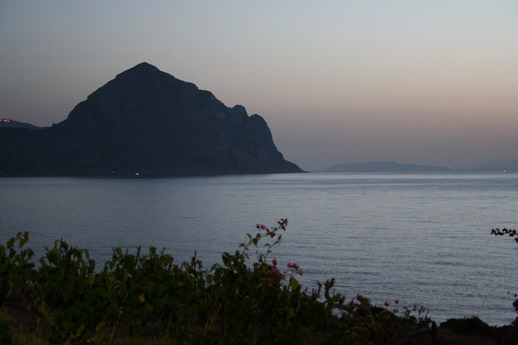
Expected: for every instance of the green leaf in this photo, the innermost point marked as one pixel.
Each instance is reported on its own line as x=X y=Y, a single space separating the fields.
x=294 y=284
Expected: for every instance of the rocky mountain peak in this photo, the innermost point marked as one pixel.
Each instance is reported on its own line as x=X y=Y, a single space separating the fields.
x=146 y=120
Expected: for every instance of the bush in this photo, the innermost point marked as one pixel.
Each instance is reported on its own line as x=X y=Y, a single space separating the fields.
x=243 y=300
x=512 y=335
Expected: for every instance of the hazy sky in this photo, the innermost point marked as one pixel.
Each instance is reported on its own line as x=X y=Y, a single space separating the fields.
x=416 y=81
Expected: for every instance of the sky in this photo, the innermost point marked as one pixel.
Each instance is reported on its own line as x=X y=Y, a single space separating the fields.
x=338 y=81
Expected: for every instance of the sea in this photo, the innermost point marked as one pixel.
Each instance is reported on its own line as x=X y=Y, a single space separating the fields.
x=420 y=238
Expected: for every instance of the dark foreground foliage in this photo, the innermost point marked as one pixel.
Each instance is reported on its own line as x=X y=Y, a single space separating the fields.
x=512 y=334
x=66 y=299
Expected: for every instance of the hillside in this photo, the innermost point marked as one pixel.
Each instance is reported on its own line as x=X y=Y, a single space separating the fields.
x=148 y=122
x=8 y=123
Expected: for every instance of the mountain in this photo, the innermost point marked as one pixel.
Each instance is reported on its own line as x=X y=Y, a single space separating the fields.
x=145 y=122
x=383 y=166
x=498 y=165
x=5 y=123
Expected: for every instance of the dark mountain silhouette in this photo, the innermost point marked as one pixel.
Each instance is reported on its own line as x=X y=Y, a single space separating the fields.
x=383 y=166
x=148 y=122
x=8 y=123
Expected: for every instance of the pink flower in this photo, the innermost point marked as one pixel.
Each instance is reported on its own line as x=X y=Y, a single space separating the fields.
x=283 y=223
x=269 y=281
x=387 y=304
x=352 y=304
x=274 y=272
x=260 y=226
x=294 y=267
x=362 y=299
x=396 y=301
x=274 y=262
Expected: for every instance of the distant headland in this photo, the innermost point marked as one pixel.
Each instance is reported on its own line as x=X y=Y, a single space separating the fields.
x=383 y=167
x=391 y=166
x=8 y=123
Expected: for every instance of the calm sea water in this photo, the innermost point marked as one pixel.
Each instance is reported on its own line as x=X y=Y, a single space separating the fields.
x=420 y=238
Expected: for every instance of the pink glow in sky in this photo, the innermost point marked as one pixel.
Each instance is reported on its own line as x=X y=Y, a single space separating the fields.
x=429 y=82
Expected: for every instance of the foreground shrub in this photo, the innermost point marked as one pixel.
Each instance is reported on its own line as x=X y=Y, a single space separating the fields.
x=472 y=325
x=250 y=298
x=512 y=335
x=15 y=265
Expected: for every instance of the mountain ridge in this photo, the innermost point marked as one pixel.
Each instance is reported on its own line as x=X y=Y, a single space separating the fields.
x=511 y=165
x=9 y=123
x=148 y=122
x=383 y=166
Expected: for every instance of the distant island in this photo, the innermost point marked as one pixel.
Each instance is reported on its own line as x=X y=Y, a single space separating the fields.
x=498 y=166
x=383 y=167
x=144 y=122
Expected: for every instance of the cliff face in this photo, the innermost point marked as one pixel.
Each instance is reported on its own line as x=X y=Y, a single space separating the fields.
x=149 y=122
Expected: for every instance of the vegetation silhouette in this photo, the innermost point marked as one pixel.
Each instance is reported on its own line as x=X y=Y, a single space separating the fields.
x=249 y=298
